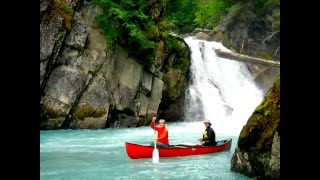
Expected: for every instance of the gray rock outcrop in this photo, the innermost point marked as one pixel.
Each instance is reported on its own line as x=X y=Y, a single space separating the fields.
x=86 y=84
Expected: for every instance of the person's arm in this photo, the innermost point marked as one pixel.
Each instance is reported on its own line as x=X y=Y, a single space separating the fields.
x=153 y=123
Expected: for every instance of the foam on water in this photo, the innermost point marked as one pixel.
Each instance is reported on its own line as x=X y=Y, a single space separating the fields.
x=220 y=89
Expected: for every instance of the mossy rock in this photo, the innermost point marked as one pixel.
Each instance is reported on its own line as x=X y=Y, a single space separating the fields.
x=174 y=81
x=257 y=134
x=175 y=71
x=85 y=110
x=49 y=112
x=62 y=9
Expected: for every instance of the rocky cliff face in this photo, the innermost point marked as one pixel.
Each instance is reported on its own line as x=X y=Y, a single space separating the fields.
x=245 y=31
x=258 y=150
x=85 y=84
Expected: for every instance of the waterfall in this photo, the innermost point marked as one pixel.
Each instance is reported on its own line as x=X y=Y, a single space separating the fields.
x=220 y=90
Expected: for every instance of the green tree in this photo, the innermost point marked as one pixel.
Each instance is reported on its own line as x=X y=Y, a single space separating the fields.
x=181 y=13
x=127 y=23
x=209 y=12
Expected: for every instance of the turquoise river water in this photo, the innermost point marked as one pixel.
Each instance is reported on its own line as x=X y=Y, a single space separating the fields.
x=221 y=90
x=101 y=154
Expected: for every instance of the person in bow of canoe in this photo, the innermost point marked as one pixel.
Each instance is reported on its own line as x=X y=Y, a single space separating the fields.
x=162 y=140
x=209 y=136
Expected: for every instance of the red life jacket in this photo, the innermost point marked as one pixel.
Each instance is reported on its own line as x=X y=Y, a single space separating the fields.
x=162 y=133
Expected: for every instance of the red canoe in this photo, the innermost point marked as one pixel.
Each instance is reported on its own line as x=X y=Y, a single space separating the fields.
x=136 y=151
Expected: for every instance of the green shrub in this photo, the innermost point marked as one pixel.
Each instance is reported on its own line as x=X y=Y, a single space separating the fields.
x=261 y=6
x=181 y=14
x=127 y=23
x=276 y=24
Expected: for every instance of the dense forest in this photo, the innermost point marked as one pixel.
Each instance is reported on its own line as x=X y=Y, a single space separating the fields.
x=134 y=24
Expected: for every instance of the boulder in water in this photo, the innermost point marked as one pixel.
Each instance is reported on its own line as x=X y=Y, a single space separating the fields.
x=204 y=36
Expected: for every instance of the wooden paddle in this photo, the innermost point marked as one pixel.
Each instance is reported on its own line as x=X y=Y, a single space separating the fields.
x=155 y=153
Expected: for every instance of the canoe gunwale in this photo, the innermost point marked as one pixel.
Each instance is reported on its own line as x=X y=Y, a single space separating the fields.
x=184 y=146
x=137 y=151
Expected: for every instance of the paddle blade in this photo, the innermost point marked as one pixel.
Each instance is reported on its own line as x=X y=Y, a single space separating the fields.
x=155 y=155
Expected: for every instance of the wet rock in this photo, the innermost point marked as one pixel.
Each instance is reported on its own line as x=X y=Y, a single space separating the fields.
x=129 y=121
x=204 y=36
x=88 y=123
x=197 y=30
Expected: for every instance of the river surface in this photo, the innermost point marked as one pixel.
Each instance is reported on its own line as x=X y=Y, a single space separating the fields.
x=101 y=154
x=219 y=90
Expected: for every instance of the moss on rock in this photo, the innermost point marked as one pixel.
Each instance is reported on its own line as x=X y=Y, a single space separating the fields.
x=50 y=112
x=62 y=9
x=258 y=143
x=85 y=110
x=175 y=70
x=258 y=132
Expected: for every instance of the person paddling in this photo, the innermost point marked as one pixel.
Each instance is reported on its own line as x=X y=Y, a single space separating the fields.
x=209 y=136
x=162 y=140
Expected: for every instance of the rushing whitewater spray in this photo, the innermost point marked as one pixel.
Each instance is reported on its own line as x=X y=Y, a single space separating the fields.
x=220 y=90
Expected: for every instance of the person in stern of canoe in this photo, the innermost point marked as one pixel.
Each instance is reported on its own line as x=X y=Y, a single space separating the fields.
x=162 y=140
x=209 y=136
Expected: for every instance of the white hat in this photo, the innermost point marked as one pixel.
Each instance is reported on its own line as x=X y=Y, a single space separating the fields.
x=207 y=122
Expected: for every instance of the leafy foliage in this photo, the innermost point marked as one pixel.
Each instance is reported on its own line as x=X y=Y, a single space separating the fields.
x=186 y=15
x=276 y=16
x=261 y=6
x=128 y=23
x=209 y=12
x=182 y=13
x=131 y=23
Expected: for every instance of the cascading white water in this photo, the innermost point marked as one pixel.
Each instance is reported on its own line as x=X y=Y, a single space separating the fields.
x=220 y=90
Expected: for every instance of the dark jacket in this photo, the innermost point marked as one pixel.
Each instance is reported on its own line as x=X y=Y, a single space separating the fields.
x=209 y=137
